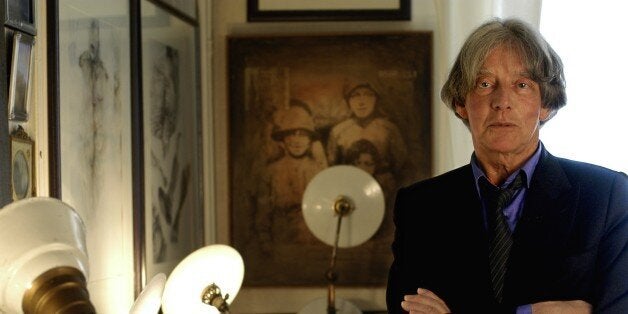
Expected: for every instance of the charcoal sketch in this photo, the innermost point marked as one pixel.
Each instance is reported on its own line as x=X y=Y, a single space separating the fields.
x=170 y=172
x=94 y=119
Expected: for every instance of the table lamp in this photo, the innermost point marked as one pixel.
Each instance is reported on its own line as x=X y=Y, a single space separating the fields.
x=344 y=196
x=206 y=281
x=44 y=265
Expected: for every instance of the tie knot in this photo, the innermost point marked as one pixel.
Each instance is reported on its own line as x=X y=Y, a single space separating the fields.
x=497 y=197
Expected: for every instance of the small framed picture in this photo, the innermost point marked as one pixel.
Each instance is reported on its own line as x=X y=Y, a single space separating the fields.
x=22 y=161
x=327 y=10
x=19 y=81
x=20 y=14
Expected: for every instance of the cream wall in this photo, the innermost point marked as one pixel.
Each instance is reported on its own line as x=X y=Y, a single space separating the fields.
x=229 y=18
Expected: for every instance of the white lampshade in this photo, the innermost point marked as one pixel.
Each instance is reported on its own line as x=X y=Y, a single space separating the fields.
x=354 y=184
x=41 y=236
x=218 y=264
x=149 y=300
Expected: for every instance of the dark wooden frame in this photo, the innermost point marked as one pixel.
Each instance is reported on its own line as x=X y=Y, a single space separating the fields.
x=409 y=53
x=254 y=14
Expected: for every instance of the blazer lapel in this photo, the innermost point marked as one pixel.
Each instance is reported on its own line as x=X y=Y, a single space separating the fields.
x=548 y=212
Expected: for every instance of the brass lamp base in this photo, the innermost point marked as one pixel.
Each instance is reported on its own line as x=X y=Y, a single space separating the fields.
x=60 y=290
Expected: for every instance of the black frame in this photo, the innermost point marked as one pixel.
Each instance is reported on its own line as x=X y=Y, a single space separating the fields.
x=254 y=14
x=20 y=14
x=140 y=128
x=20 y=77
x=171 y=7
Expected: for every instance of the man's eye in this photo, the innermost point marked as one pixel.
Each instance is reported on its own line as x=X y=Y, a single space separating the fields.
x=523 y=85
x=485 y=84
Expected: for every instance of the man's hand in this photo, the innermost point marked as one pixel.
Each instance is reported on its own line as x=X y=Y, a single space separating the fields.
x=425 y=301
x=557 y=307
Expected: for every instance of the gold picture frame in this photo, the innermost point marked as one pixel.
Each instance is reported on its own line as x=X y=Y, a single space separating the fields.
x=22 y=165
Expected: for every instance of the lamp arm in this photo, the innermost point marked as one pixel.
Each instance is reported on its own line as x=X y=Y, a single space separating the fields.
x=331 y=274
x=342 y=206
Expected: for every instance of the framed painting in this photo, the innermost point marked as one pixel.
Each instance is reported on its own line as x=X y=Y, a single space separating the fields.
x=173 y=209
x=299 y=104
x=327 y=10
x=19 y=80
x=22 y=165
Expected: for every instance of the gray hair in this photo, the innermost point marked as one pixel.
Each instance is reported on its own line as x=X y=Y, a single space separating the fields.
x=541 y=61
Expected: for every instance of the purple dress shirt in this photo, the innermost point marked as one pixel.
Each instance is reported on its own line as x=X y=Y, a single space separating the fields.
x=513 y=210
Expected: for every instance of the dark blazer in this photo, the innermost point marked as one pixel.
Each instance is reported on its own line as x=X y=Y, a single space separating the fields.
x=571 y=241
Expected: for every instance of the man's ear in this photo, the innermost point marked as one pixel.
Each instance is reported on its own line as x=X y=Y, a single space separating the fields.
x=546 y=114
x=461 y=110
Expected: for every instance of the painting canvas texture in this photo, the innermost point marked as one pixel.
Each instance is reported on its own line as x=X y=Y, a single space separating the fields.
x=300 y=104
x=173 y=209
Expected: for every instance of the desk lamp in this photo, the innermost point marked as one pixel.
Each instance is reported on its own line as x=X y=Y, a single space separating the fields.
x=43 y=259
x=342 y=195
x=206 y=281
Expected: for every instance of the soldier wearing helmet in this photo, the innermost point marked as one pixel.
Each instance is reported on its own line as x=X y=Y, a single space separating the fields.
x=279 y=215
x=368 y=122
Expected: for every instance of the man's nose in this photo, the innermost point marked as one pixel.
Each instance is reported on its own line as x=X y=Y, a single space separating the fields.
x=501 y=97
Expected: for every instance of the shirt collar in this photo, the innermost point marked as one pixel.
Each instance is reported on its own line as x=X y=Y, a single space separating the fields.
x=528 y=168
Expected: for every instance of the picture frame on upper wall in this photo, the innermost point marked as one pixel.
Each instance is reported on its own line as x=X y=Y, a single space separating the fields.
x=299 y=86
x=328 y=10
x=22 y=165
x=20 y=14
x=20 y=76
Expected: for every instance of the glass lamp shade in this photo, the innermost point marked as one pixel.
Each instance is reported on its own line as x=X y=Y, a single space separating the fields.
x=149 y=301
x=42 y=242
x=215 y=264
x=362 y=192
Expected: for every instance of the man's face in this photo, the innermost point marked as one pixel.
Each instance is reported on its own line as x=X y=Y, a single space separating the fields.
x=362 y=102
x=504 y=107
x=297 y=143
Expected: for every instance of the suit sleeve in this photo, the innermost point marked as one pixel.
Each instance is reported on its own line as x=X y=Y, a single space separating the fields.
x=612 y=265
x=394 y=291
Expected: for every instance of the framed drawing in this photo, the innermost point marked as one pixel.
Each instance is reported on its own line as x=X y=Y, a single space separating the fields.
x=299 y=104
x=173 y=208
x=327 y=10
x=19 y=80
x=22 y=165
x=92 y=154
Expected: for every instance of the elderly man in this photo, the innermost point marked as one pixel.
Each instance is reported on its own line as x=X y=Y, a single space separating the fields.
x=517 y=229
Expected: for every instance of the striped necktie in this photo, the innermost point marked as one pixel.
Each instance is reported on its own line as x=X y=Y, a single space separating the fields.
x=500 y=237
